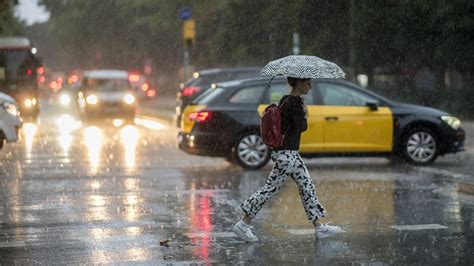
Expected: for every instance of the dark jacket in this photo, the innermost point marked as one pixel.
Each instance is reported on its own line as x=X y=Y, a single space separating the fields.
x=293 y=121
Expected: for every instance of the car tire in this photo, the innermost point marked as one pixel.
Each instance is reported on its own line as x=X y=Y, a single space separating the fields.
x=420 y=146
x=250 y=152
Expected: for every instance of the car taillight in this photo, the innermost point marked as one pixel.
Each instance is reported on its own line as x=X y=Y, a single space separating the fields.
x=200 y=116
x=151 y=93
x=134 y=77
x=189 y=91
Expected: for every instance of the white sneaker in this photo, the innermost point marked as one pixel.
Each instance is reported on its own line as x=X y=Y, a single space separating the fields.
x=326 y=230
x=243 y=231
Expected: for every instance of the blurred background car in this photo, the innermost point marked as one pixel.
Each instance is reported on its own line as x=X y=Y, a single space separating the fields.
x=66 y=98
x=10 y=122
x=202 y=80
x=106 y=93
x=143 y=88
x=19 y=69
x=343 y=120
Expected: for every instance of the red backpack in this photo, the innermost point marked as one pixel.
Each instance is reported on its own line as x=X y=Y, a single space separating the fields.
x=270 y=126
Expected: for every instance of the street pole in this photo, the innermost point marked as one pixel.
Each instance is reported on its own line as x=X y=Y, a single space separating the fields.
x=296 y=43
x=189 y=38
x=186 y=66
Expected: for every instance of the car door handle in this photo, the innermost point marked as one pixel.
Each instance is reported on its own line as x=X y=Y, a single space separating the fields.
x=331 y=118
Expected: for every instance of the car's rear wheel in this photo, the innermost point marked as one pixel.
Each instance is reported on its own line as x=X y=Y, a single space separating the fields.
x=420 y=146
x=250 y=152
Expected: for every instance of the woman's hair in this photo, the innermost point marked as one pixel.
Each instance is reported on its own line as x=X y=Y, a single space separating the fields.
x=293 y=81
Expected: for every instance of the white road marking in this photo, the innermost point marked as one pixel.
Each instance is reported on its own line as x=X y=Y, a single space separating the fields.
x=445 y=173
x=12 y=244
x=301 y=231
x=414 y=227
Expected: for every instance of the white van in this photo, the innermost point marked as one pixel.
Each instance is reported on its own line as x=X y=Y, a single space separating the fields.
x=106 y=93
x=10 y=122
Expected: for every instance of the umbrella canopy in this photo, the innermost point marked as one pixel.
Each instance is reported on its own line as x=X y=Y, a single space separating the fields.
x=303 y=67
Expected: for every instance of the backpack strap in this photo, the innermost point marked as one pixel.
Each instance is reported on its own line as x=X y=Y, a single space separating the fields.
x=281 y=106
x=284 y=101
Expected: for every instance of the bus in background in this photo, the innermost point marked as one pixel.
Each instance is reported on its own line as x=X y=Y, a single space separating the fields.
x=19 y=67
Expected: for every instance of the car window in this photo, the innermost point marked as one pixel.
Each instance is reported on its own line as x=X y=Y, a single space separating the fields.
x=247 y=95
x=244 y=75
x=277 y=91
x=339 y=95
x=207 y=96
x=206 y=80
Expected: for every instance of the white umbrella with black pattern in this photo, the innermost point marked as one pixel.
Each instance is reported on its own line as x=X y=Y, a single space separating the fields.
x=302 y=67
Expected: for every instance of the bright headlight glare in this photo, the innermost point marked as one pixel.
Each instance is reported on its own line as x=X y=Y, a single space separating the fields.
x=10 y=108
x=28 y=103
x=452 y=121
x=65 y=99
x=92 y=99
x=129 y=99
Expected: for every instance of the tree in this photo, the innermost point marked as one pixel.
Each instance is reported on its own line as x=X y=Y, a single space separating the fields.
x=9 y=24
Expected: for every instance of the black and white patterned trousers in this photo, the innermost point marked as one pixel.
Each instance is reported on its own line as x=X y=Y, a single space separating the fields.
x=287 y=163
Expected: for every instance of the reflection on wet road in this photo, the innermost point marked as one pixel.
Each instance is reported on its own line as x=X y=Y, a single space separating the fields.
x=113 y=193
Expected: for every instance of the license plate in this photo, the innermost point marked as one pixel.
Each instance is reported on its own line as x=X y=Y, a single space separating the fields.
x=111 y=109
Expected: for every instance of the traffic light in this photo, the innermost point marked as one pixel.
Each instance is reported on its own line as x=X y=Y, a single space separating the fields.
x=189 y=32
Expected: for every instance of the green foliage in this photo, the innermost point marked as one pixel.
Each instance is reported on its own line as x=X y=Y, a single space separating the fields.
x=9 y=24
x=364 y=35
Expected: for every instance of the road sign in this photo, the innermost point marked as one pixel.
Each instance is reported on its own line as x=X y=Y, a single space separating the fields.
x=185 y=13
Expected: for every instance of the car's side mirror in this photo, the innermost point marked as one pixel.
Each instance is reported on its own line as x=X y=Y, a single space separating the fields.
x=374 y=106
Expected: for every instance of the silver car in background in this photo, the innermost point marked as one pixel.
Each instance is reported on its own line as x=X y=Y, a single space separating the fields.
x=106 y=93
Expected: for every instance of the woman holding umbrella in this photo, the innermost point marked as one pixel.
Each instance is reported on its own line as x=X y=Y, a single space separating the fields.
x=287 y=160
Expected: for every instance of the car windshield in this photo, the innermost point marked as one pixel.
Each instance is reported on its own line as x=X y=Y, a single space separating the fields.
x=208 y=96
x=107 y=84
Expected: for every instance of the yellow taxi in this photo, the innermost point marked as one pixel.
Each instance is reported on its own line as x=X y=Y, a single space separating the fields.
x=343 y=120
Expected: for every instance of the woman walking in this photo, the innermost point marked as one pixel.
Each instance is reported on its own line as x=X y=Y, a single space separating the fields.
x=288 y=163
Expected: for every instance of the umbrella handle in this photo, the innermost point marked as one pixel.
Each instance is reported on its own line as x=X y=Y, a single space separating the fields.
x=270 y=82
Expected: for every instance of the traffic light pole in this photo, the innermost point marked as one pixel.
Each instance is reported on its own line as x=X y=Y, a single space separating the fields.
x=187 y=70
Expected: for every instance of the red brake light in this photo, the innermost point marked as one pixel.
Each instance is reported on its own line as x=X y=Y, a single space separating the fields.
x=29 y=72
x=145 y=87
x=200 y=116
x=133 y=77
x=151 y=93
x=73 y=79
x=188 y=91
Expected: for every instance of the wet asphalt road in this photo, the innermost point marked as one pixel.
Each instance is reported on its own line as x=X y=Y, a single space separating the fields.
x=73 y=193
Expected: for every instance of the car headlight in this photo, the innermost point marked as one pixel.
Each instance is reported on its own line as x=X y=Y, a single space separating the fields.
x=10 y=108
x=28 y=103
x=92 y=99
x=452 y=121
x=65 y=99
x=129 y=99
